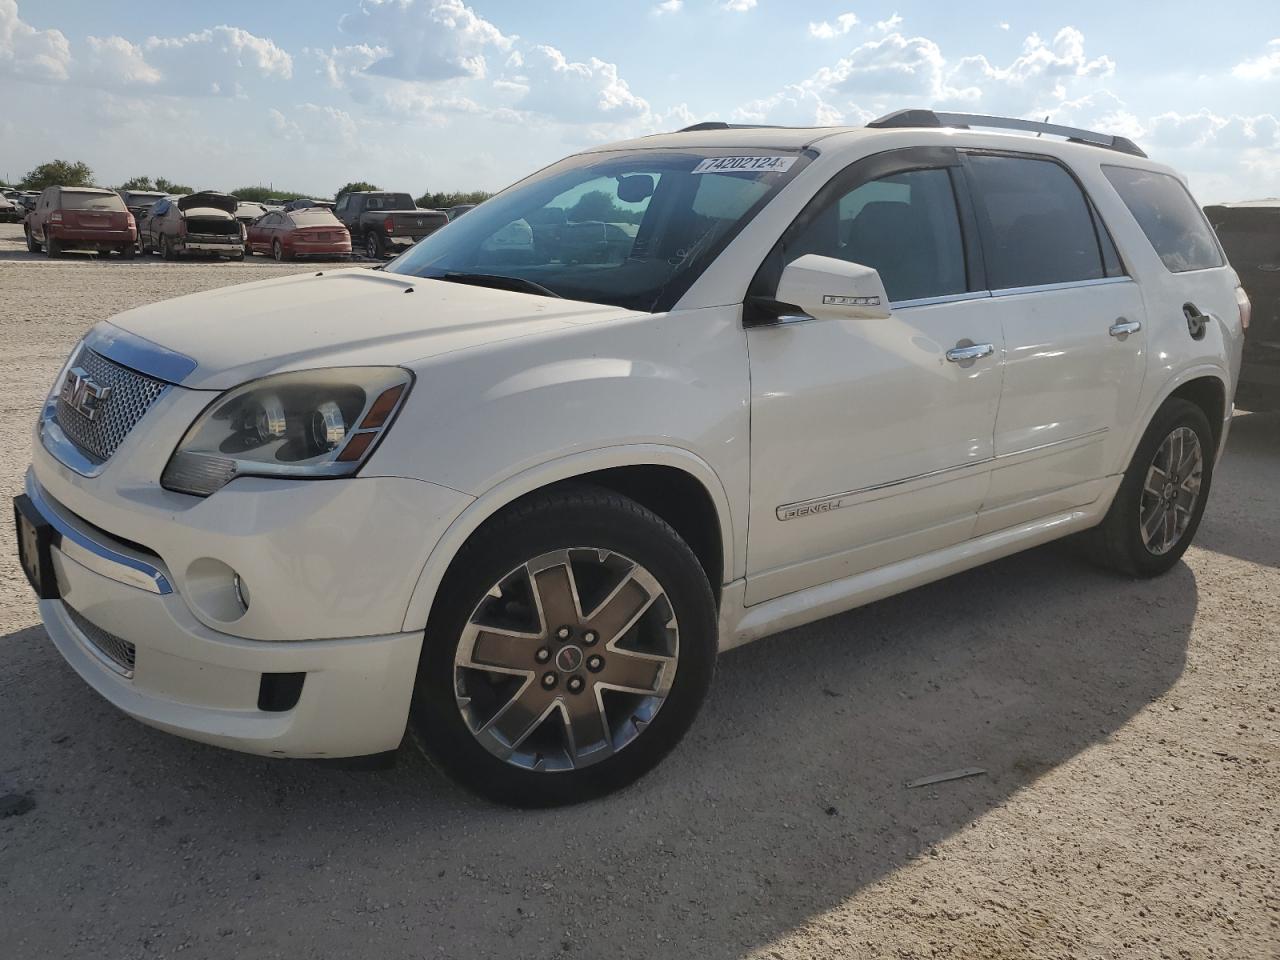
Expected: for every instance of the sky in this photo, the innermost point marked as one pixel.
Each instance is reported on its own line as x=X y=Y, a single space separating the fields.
x=446 y=95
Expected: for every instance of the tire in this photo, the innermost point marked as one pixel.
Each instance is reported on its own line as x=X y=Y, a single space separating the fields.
x=166 y=251
x=374 y=248
x=277 y=251
x=1120 y=542
x=127 y=252
x=629 y=549
x=32 y=244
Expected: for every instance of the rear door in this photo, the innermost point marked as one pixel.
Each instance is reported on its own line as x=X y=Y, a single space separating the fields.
x=1072 y=322
x=871 y=440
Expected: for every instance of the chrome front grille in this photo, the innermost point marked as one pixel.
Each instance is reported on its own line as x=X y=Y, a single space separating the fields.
x=120 y=653
x=131 y=395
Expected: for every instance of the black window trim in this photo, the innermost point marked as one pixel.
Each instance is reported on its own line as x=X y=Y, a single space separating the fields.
x=1100 y=228
x=761 y=307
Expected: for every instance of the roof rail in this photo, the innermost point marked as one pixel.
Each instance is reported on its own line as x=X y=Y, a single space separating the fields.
x=963 y=121
x=721 y=125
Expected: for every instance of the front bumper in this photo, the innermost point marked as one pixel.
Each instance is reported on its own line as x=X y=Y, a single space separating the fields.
x=189 y=678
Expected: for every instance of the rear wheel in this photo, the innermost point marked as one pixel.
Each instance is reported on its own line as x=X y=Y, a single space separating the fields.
x=1162 y=497
x=32 y=244
x=373 y=246
x=277 y=251
x=166 y=251
x=571 y=645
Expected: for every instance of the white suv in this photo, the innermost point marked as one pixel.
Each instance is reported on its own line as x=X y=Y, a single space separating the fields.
x=739 y=379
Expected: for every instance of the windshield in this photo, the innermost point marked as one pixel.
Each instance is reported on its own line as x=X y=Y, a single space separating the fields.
x=90 y=201
x=630 y=229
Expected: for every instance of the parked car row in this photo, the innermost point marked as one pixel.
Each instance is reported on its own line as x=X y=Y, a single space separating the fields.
x=218 y=224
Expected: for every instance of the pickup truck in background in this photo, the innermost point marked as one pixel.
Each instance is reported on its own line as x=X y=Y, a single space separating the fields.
x=383 y=223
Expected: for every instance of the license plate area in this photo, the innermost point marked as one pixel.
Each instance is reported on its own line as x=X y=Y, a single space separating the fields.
x=35 y=547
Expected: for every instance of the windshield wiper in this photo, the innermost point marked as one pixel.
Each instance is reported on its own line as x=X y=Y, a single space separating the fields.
x=500 y=282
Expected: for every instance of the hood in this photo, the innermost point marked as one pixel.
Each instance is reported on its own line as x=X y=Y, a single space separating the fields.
x=347 y=317
x=209 y=198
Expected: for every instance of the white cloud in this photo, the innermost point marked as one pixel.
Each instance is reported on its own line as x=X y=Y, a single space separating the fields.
x=30 y=53
x=425 y=40
x=339 y=64
x=114 y=60
x=1265 y=67
x=1003 y=26
x=827 y=30
x=573 y=92
x=738 y=6
x=888 y=26
x=797 y=105
x=893 y=66
x=668 y=6
x=213 y=62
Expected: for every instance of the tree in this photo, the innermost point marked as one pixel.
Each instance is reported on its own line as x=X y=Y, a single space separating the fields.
x=358 y=187
x=58 y=173
x=436 y=201
x=260 y=193
x=168 y=186
x=137 y=183
x=598 y=205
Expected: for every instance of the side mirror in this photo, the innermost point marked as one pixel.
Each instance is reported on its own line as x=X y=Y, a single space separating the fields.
x=829 y=289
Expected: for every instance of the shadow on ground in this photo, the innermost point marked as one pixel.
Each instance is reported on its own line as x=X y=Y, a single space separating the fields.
x=1232 y=525
x=787 y=798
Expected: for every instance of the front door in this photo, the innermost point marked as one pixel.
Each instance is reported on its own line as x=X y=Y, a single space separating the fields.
x=872 y=440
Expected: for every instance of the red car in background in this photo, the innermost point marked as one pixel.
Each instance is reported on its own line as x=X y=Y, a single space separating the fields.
x=80 y=218
x=309 y=232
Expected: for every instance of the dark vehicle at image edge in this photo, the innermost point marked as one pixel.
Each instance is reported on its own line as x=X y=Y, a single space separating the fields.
x=383 y=223
x=1250 y=232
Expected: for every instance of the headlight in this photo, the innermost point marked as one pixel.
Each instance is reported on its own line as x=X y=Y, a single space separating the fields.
x=314 y=423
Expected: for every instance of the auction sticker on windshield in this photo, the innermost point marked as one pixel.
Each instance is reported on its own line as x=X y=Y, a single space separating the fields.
x=744 y=165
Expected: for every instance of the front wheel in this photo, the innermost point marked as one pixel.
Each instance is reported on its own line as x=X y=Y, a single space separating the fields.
x=571 y=645
x=1162 y=497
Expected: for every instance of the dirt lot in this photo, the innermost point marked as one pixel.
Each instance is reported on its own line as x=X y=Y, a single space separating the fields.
x=1129 y=731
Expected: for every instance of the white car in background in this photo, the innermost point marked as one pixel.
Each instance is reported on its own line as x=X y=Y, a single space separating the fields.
x=519 y=504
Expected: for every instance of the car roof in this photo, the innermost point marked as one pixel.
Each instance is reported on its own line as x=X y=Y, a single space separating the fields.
x=87 y=190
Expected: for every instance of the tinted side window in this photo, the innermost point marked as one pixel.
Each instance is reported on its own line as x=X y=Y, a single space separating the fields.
x=1036 y=224
x=1168 y=216
x=905 y=225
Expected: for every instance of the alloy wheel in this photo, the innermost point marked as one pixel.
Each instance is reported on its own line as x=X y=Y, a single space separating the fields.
x=1171 y=490
x=566 y=659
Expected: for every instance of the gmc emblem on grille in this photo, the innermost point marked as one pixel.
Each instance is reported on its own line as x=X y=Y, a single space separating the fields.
x=82 y=393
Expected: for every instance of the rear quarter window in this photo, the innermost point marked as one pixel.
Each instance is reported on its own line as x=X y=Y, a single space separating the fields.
x=1174 y=225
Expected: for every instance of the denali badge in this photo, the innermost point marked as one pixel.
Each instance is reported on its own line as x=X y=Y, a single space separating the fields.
x=792 y=510
x=82 y=394
x=834 y=301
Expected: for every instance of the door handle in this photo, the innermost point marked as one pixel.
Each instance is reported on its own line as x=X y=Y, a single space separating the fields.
x=972 y=351
x=1122 y=327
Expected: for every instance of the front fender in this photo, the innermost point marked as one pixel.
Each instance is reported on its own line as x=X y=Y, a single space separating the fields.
x=555 y=471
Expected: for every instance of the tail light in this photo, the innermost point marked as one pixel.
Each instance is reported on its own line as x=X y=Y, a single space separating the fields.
x=1246 y=308
x=389 y=225
x=55 y=217
x=133 y=224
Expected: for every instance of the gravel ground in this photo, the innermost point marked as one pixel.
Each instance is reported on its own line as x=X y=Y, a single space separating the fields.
x=1128 y=730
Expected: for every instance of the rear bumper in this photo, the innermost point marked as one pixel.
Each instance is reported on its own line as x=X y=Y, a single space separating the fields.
x=104 y=237
x=231 y=245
